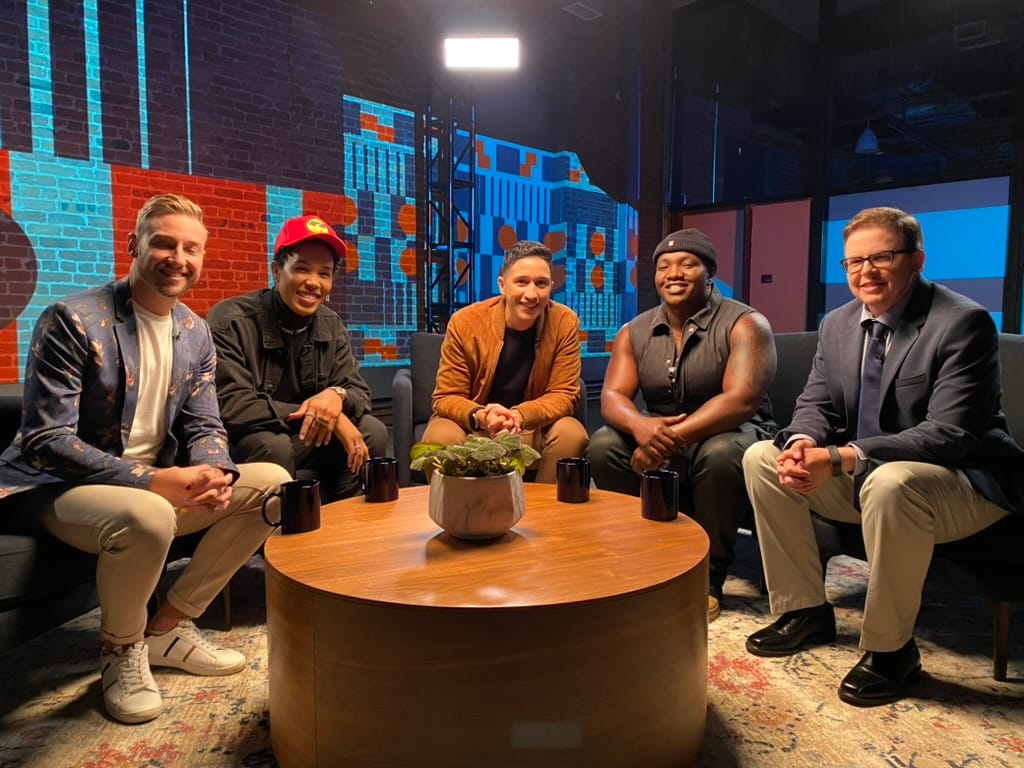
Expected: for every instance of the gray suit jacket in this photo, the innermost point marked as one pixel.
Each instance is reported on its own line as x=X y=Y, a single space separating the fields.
x=82 y=388
x=940 y=388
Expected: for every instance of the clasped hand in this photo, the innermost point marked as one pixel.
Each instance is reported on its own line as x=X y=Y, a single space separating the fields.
x=496 y=419
x=199 y=488
x=803 y=468
x=657 y=442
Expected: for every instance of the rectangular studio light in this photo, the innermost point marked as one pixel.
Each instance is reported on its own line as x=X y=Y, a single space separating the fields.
x=481 y=52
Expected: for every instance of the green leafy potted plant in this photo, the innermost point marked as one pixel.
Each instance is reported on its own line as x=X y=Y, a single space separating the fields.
x=476 y=487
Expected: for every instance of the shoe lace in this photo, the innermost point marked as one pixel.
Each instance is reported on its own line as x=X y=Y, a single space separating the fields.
x=133 y=664
x=188 y=631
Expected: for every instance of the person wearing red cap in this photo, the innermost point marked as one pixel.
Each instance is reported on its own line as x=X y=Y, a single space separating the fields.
x=703 y=363
x=288 y=382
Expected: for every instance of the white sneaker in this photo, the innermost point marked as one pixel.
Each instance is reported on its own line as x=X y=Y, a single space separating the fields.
x=184 y=648
x=129 y=691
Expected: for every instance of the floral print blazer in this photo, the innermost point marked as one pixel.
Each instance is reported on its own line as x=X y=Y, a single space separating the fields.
x=82 y=388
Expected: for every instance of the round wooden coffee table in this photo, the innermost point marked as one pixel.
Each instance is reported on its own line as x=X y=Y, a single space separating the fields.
x=579 y=638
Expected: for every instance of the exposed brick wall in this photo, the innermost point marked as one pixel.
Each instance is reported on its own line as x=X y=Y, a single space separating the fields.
x=15 y=117
x=166 y=94
x=386 y=48
x=12 y=266
x=233 y=212
x=70 y=116
x=119 y=83
x=241 y=106
x=5 y=183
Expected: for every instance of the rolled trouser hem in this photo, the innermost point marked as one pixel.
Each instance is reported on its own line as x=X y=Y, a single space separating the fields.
x=115 y=640
x=190 y=610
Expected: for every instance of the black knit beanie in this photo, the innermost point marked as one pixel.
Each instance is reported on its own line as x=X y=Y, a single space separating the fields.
x=692 y=241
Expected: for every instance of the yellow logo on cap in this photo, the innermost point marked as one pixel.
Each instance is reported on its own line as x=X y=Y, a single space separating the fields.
x=317 y=226
x=671 y=242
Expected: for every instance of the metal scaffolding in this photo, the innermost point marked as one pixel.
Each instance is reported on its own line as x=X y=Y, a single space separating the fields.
x=449 y=148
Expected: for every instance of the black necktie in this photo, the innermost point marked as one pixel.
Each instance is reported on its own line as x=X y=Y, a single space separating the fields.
x=871 y=383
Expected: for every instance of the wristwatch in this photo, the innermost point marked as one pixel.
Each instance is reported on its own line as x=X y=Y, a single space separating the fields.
x=472 y=419
x=342 y=392
x=836 y=459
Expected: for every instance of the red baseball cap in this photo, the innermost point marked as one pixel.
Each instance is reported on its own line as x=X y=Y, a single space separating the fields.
x=312 y=227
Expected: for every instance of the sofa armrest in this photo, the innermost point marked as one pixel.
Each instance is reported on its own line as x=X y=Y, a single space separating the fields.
x=581 y=407
x=401 y=418
x=10 y=412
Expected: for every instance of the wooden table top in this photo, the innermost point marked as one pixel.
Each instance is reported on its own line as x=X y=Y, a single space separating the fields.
x=392 y=552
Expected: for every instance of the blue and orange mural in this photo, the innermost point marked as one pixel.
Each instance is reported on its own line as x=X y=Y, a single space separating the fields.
x=525 y=194
x=82 y=146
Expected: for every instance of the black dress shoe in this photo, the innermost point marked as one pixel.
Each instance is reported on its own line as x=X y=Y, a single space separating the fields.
x=795 y=630
x=880 y=677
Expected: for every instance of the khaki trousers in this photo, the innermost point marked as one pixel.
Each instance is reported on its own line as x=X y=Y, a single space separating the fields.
x=907 y=507
x=564 y=438
x=130 y=530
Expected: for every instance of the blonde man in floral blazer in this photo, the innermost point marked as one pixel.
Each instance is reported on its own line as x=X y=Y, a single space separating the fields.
x=121 y=448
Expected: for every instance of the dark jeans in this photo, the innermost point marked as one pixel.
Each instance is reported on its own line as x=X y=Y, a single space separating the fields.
x=330 y=462
x=711 y=488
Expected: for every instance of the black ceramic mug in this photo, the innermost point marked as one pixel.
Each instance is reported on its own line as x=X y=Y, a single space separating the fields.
x=380 y=479
x=659 y=494
x=572 y=476
x=300 y=506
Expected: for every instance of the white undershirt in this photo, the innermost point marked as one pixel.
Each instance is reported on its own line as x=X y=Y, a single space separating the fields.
x=156 y=356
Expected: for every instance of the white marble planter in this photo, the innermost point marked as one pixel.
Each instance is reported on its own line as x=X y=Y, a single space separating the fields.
x=476 y=507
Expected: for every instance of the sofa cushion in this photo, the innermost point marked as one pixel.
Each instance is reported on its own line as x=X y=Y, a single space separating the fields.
x=795 y=354
x=1011 y=363
x=424 y=359
x=33 y=568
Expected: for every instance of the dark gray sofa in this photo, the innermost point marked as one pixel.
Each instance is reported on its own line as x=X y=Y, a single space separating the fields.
x=988 y=564
x=44 y=582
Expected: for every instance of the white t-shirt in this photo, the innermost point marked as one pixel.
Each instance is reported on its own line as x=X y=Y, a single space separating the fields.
x=156 y=356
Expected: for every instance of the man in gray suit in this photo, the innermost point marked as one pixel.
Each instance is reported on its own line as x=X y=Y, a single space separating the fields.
x=900 y=418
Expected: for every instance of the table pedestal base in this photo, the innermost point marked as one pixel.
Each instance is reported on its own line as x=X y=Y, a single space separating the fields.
x=619 y=681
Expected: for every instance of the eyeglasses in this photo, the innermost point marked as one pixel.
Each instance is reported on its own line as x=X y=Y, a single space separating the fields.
x=880 y=259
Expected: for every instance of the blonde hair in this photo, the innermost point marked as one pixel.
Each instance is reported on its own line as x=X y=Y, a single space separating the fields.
x=165 y=205
x=901 y=222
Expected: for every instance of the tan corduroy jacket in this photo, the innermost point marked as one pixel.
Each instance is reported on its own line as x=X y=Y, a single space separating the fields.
x=469 y=356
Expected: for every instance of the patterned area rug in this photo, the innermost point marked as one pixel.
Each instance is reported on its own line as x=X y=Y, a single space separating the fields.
x=761 y=712
x=786 y=712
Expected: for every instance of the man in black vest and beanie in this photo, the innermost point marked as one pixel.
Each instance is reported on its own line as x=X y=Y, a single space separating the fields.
x=703 y=363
